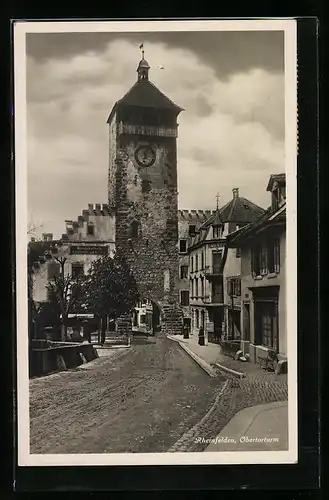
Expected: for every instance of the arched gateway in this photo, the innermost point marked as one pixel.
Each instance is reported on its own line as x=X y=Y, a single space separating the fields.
x=143 y=193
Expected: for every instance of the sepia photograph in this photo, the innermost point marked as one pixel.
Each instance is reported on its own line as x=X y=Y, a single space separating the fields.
x=156 y=242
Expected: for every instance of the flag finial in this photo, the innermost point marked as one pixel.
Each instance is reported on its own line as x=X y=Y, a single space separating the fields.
x=217 y=199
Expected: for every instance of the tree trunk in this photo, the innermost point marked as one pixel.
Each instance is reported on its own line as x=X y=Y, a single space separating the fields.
x=63 y=331
x=103 y=329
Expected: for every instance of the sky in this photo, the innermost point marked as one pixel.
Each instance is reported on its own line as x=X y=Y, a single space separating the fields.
x=231 y=132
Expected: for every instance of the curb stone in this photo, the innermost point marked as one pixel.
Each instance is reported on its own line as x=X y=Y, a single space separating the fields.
x=185 y=440
x=203 y=364
x=229 y=370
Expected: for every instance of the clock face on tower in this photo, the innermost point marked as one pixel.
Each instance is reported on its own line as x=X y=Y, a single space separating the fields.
x=145 y=156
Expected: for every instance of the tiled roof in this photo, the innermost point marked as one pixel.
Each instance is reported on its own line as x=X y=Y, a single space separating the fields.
x=270 y=217
x=145 y=94
x=238 y=210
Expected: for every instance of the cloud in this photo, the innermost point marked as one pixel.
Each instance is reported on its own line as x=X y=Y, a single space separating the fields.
x=231 y=133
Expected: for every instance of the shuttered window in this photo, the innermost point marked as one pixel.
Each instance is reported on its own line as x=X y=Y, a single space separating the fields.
x=256 y=264
x=234 y=286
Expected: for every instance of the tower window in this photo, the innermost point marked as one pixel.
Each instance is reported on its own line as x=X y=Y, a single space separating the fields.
x=183 y=246
x=146 y=186
x=134 y=229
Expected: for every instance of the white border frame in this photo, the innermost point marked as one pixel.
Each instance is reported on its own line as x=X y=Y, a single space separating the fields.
x=289 y=26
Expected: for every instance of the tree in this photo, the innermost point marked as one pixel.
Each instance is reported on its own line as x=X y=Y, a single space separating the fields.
x=35 y=255
x=66 y=293
x=110 y=287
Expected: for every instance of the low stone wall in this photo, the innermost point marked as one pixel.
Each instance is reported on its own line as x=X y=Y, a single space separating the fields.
x=60 y=357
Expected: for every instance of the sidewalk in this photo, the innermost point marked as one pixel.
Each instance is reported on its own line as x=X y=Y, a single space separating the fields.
x=258 y=428
x=212 y=354
x=254 y=405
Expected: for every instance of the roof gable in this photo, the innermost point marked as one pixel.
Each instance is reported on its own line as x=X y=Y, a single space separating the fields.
x=279 y=179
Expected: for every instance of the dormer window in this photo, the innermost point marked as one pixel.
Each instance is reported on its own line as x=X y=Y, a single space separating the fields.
x=217 y=231
x=278 y=197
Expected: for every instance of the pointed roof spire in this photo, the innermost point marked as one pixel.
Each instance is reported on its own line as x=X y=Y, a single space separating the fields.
x=143 y=66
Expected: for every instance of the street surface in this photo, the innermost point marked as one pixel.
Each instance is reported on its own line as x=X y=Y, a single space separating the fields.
x=141 y=399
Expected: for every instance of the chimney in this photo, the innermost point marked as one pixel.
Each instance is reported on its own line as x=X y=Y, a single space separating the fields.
x=235 y=192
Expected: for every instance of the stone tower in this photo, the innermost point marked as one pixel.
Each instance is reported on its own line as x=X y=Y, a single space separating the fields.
x=143 y=192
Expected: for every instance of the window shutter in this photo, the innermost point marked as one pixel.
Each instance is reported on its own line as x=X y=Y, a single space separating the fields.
x=263 y=260
x=277 y=256
x=253 y=262
x=238 y=286
x=229 y=287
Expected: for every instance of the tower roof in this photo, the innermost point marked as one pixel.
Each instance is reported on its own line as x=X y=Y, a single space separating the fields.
x=145 y=94
x=143 y=64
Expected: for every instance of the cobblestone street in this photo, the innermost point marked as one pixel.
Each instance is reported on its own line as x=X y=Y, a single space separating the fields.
x=142 y=399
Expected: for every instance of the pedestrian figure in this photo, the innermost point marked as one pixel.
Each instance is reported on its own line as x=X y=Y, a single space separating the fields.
x=185 y=332
x=201 y=336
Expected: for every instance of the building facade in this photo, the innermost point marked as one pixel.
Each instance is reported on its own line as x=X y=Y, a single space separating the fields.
x=143 y=193
x=85 y=240
x=263 y=277
x=189 y=222
x=215 y=270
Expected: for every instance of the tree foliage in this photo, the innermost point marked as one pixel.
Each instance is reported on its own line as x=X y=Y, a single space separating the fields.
x=66 y=294
x=110 y=287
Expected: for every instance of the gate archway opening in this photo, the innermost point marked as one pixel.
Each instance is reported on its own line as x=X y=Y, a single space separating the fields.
x=146 y=318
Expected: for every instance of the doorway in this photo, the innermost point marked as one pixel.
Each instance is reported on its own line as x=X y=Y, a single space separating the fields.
x=246 y=322
x=202 y=320
x=218 y=323
x=187 y=321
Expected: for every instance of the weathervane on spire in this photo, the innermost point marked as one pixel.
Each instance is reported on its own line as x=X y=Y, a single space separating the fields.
x=142 y=49
x=217 y=199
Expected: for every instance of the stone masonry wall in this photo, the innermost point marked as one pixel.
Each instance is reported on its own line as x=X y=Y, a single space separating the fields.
x=147 y=224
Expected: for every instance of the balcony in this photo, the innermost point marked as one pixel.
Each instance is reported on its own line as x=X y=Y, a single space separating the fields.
x=147 y=130
x=214 y=300
x=212 y=272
